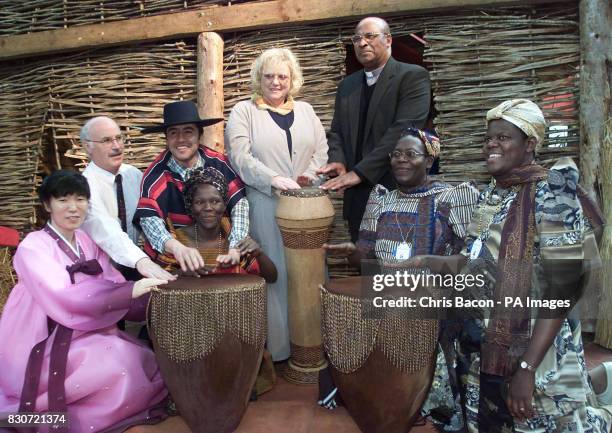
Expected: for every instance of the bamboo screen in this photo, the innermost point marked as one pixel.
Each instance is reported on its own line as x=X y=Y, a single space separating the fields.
x=23 y=107
x=43 y=105
x=478 y=60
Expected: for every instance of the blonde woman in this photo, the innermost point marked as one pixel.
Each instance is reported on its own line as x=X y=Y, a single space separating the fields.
x=274 y=143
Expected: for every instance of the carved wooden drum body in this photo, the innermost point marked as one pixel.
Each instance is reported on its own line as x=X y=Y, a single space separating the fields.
x=208 y=334
x=381 y=361
x=304 y=218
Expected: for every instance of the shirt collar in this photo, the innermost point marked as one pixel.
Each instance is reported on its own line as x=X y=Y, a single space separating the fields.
x=372 y=76
x=106 y=174
x=183 y=172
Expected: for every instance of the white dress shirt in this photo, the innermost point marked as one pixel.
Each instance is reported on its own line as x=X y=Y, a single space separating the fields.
x=103 y=223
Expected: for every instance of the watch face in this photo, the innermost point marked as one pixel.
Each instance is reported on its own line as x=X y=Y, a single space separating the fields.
x=524 y=364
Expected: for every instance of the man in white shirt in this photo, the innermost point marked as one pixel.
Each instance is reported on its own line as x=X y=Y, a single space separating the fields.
x=115 y=189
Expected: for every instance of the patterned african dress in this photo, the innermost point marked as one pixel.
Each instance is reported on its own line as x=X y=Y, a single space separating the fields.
x=563 y=398
x=431 y=220
x=248 y=264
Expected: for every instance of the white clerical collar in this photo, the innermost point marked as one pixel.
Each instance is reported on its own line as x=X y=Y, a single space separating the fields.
x=74 y=250
x=372 y=76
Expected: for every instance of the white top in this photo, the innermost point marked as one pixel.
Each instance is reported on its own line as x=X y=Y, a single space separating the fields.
x=103 y=223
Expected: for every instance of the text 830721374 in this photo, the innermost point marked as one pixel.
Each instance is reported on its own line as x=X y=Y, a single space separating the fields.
x=24 y=419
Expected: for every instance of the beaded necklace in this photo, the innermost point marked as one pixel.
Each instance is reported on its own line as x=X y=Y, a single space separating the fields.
x=195 y=230
x=498 y=201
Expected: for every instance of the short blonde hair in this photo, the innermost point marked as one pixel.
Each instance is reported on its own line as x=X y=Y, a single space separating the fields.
x=275 y=56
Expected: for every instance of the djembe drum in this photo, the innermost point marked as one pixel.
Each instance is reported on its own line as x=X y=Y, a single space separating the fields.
x=208 y=334
x=381 y=361
x=304 y=217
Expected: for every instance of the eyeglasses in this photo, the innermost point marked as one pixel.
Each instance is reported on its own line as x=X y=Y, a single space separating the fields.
x=408 y=154
x=369 y=36
x=120 y=139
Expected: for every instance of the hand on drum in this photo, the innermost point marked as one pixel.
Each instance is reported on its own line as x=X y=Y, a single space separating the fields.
x=284 y=183
x=147 y=268
x=145 y=285
x=342 y=182
x=188 y=258
x=305 y=181
x=249 y=246
x=232 y=258
x=195 y=274
x=332 y=169
x=343 y=249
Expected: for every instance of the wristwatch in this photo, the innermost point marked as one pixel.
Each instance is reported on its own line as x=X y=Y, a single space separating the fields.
x=527 y=366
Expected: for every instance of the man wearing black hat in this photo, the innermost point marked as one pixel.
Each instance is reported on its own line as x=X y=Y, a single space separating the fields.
x=161 y=197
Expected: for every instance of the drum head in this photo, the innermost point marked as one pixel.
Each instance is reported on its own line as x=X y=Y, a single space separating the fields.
x=307 y=192
x=350 y=286
x=213 y=282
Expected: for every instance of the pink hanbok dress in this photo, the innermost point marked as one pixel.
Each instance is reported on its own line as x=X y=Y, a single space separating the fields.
x=108 y=381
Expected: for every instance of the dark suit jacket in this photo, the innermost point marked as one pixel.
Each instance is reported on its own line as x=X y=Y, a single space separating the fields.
x=401 y=99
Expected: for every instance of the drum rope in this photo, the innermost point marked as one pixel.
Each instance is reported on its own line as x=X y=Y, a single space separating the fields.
x=188 y=324
x=353 y=328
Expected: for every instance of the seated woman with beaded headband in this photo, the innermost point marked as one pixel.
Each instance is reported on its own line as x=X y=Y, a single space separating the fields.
x=421 y=216
x=205 y=201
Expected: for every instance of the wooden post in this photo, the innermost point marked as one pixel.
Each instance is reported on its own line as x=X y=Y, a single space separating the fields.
x=210 y=86
x=595 y=109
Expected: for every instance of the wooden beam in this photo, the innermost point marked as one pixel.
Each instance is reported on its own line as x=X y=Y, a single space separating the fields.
x=221 y=18
x=594 y=40
x=595 y=144
x=210 y=87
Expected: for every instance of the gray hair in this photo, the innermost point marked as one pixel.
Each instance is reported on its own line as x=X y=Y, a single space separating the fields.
x=383 y=26
x=84 y=134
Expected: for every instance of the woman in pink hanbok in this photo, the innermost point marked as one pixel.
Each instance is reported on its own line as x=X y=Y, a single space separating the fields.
x=60 y=350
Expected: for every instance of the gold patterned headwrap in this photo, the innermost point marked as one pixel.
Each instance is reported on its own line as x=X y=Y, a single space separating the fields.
x=523 y=114
x=431 y=142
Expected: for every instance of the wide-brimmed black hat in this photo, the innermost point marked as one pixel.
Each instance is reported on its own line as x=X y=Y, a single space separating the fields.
x=179 y=113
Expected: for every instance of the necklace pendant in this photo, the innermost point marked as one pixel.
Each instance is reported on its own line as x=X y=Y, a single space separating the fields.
x=403 y=251
x=475 y=250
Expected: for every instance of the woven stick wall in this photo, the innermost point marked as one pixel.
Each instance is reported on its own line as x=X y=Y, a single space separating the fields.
x=23 y=107
x=482 y=59
x=129 y=84
x=18 y=17
x=44 y=103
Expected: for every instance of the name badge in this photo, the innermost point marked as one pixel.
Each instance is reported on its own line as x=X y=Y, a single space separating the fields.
x=475 y=250
x=403 y=251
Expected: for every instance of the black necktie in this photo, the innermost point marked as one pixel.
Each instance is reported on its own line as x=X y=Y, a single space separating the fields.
x=121 y=203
